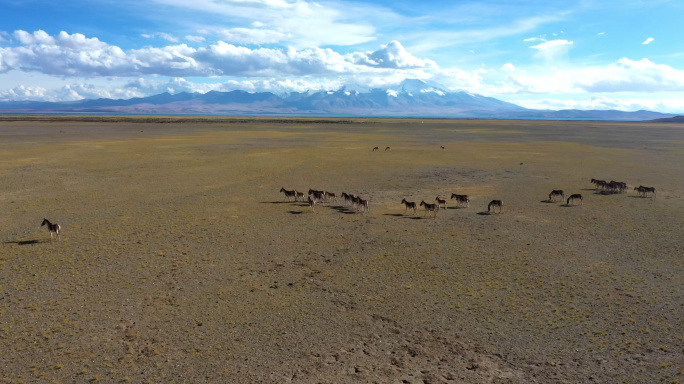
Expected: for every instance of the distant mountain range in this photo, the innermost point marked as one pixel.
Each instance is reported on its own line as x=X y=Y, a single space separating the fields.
x=411 y=98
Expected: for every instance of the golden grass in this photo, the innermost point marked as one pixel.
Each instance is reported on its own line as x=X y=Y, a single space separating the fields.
x=181 y=262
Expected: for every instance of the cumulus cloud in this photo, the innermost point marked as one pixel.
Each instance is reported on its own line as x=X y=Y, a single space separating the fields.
x=625 y=75
x=392 y=55
x=143 y=86
x=666 y=105
x=508 y=67
x=630 y=75
x=76 y=55
x=63 y=54
x=23 y=93
x=648 y=41
x=79 y=60
x=552 y=49
x=37 y=37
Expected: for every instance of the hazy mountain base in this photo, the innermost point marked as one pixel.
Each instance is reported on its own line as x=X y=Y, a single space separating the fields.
x=180 y=261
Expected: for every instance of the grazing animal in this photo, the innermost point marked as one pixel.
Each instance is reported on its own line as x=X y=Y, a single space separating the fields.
x=289 y=194
x=596 y=182
x=441 y=146
x=330 y=196
x=359 y=203
x=645 y=190
x=429 y=208
x=299 y=196
x=409 y=205
x=375 y=148
x=387 y=148
x=346 y=198
x=618 y=186
x=440 y=202
x=53 y=228
x=462 y=200
x=574 y=197
x=311 y=203
x=610 y=187
x=556 y=193
x=495 y=204
x=318 y=196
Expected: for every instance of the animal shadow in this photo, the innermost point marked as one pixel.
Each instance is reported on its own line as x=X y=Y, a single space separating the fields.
x=394 y=214
x=547 y=201
x=295 y=212
x=24 y=242
x=484 y=213
x=342 y=209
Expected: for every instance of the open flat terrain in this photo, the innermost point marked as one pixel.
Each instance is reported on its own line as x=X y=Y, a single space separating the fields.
x=180 y=261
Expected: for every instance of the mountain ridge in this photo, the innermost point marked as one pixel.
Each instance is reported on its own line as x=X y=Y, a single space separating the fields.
x=410 y=98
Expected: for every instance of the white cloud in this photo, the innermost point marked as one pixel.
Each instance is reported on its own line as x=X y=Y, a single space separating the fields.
x=38 y=37
x=195 y=39
x=439 y=39
x=251 y=35
x=623 y=76
x=664 y=104
x=648 y=41
x=162 y=35
x=552 y=49
x=508 y=67
x=392 y=55
x=23 y=93
x=68 y=55
x=80 y=65
x=75 y=55
x=303 y=23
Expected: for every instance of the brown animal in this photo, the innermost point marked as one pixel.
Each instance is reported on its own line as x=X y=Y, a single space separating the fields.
x=429 y=208
x=495 y=204
x=53 y=228
x=289 y=194
x=409 y=205
x=574 y=197
x=556 y=193
x=462 y=200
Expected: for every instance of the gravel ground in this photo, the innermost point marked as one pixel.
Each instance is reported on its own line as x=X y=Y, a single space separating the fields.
x=181 y=262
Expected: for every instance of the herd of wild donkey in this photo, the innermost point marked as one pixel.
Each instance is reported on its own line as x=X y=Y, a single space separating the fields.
x=361 y=205
x=357 y=203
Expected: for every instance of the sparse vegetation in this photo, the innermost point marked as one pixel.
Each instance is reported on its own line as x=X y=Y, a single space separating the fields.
x=181 y=262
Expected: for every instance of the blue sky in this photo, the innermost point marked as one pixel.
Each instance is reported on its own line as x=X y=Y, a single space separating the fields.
x=585 y=54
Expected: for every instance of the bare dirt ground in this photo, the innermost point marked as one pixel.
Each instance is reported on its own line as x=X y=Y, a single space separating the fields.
x=181 y=262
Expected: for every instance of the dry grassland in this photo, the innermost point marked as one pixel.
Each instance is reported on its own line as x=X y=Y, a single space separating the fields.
x=181 y=261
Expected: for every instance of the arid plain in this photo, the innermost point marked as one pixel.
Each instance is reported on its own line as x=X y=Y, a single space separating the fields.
x=180 y=261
